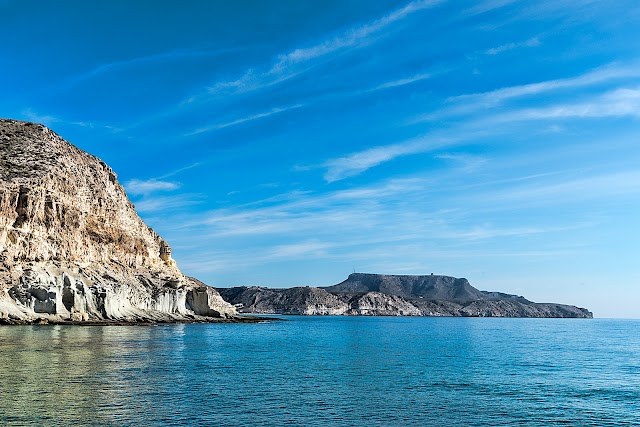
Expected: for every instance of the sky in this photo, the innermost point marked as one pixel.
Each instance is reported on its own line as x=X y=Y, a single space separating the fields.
x=290 y=143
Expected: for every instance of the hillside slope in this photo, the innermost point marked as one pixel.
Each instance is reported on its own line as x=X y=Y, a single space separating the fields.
x=72 y=246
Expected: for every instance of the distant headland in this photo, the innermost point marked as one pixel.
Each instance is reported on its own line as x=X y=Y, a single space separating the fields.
x=392 y=295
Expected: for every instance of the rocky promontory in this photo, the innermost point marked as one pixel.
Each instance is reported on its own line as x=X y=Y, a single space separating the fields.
x=394 y=295
x=73 y=248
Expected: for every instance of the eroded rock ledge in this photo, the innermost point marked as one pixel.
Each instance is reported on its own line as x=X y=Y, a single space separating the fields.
x=73 y=248
x=388 y=295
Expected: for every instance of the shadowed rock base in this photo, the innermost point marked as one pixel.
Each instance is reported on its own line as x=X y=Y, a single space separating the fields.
x=42 y=297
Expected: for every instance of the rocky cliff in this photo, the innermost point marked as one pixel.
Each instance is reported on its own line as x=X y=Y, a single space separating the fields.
x=72 y=246
x=389 y=295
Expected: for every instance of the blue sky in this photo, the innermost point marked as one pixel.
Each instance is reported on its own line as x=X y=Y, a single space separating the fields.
x=288 y=143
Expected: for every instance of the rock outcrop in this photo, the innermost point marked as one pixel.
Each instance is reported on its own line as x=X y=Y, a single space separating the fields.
x=389 y=295
x=72 y=247
x=300 y=300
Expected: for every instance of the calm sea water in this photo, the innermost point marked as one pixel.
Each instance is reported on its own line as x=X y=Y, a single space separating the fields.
x=325 y=371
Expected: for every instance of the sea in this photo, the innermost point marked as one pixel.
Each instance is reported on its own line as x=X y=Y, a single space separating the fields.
x=325 y=371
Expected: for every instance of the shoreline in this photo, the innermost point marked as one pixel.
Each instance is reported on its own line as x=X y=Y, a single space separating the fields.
x=46 y=322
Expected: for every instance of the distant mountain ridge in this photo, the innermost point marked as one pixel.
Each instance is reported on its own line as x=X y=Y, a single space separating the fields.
x=394 y=295
x=433 y=286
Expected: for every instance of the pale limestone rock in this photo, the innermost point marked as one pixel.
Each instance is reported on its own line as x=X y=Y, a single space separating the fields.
x=72 y=246
x=379 y=304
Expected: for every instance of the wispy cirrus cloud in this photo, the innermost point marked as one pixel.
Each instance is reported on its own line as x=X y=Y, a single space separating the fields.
x=608 y=73
x=387 y=85
x=299 y=60
x=491 y=232
x=352 y=37
x=401 y=82
x=146 y=187
x=49 y=120
x=603 y=186
x=465 y=162
x=277 y=110
x=300 y=249
x=150 y=196
x=488 y=6
x=623 y=102
x=152 y=204
x=358 y=162
x=473 y=103
x=219 y=260
x=390 y=220
x=174 y=55
x=245 y=119
x=179 y=170
x=156 y=195
x=298 y=212
x=532 y=42
x=44 y=119
x=287 y=65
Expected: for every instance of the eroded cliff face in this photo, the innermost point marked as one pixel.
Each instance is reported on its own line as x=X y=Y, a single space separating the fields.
x=72 y=246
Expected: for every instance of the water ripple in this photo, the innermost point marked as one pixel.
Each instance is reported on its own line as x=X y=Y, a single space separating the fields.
x=325 y=371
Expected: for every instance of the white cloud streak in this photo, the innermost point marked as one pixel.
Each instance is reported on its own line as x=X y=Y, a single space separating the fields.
x=384 y=206
x=395 y=219
x=174 y=55
x=401 y=82
x=299 y=60
x=250 y=118
x=49 y=120
x=179 y=170
x=296 y=212
x=44 y=119
x=601 y=75
x=140 y=187
x=356 y=163
x=466 y=162
x=165 y=203
x=352 y=37
x=596 y=187
x=486 y=232
x=488 y=6
x=151 y=202
x=532 y=42
x=624 y=102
